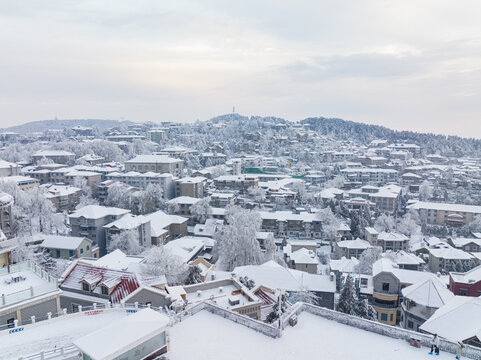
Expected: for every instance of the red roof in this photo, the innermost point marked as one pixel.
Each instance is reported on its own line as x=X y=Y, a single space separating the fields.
x=125 y=282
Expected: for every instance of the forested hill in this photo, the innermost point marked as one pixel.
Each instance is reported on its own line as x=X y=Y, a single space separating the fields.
x=42 y=125
x=364 y=133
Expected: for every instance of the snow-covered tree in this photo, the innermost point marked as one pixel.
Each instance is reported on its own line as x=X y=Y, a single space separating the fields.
x=148 y=200
x=237 y=241
x=385 y=223
x=408 y=225
x=368 y=258
x=194 y=275
x=257 y=193
x=160 y=261
x=365 y=311
x=337 y=182
x=306 y=296
x=127 y=241
x=201 y=210
x=425 y=191
x=330 y=224
x=347 y=302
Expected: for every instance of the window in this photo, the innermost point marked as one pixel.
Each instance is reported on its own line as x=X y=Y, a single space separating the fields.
x=391 y=318
x=85 y=287
x=385 y=286
x=10 y=323
x=71 y=253
x=383 y=317
x=105 y=290
x=88 y=247
x=463 y=292
x=81 y=251
x=57 y=253
x=410 y=324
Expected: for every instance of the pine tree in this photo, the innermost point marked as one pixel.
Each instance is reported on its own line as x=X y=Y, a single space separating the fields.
x=194 y=275
x=348 y=300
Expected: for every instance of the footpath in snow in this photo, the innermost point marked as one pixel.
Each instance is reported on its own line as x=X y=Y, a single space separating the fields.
x=206 y=336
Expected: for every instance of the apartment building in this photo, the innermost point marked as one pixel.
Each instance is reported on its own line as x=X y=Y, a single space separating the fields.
x=448 y=258
x=239 y=183
x=57 y=156
x=142 y=180
x=155 y=163
x=370 y=175
x=138 y=223
x=6 y=202
x=388 y=241
x=287 y=224
x=445 y=214
x=156 y=135
x=89 y=222
x=9 y=169
x=190 y=186
x=351 y=248
x=63 y=197
x=386 y=198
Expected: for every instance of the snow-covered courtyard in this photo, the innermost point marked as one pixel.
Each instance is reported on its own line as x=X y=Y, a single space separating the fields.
x=210 y=337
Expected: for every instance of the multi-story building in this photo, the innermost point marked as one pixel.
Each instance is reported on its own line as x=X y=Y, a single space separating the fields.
x=190 y=186
x=8 y=168
x=23 y=182
x=221 y=200
x=89 y=222
x=393 y=241
x=6 y=202
x=104 y=186
x=442 y=213
x=370 y=175
x=63 y=197
x=57 y=156
x=71 y=175
x=142 y=180
x=468 y=245
x=450 y=259
x=138 y=223
x=386 y=197
x=165 y=227
x=155 y=163
x=388 y=282
x=156 y=135
x=239 y=183
x=351 y=248
x=287 y=224
x=421 y=300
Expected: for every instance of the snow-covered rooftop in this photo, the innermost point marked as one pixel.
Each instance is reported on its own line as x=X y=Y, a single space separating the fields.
x=97 y=212
x=117 y=338
x=431 y=293
x=206 y=336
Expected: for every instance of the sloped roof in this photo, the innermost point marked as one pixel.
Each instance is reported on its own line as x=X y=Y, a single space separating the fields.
x=458 y=320
x=97 y=212
x=96 y=276
x=431 y=293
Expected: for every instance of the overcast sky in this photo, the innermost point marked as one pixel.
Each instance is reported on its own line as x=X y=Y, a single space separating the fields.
x=407 y=64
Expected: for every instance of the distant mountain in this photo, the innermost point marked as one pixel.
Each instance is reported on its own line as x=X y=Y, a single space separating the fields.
x=364 y=133
x=42 y=125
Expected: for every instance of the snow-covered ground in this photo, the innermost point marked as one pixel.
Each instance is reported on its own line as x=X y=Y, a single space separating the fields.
x=210 y=337
x=47 y=335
